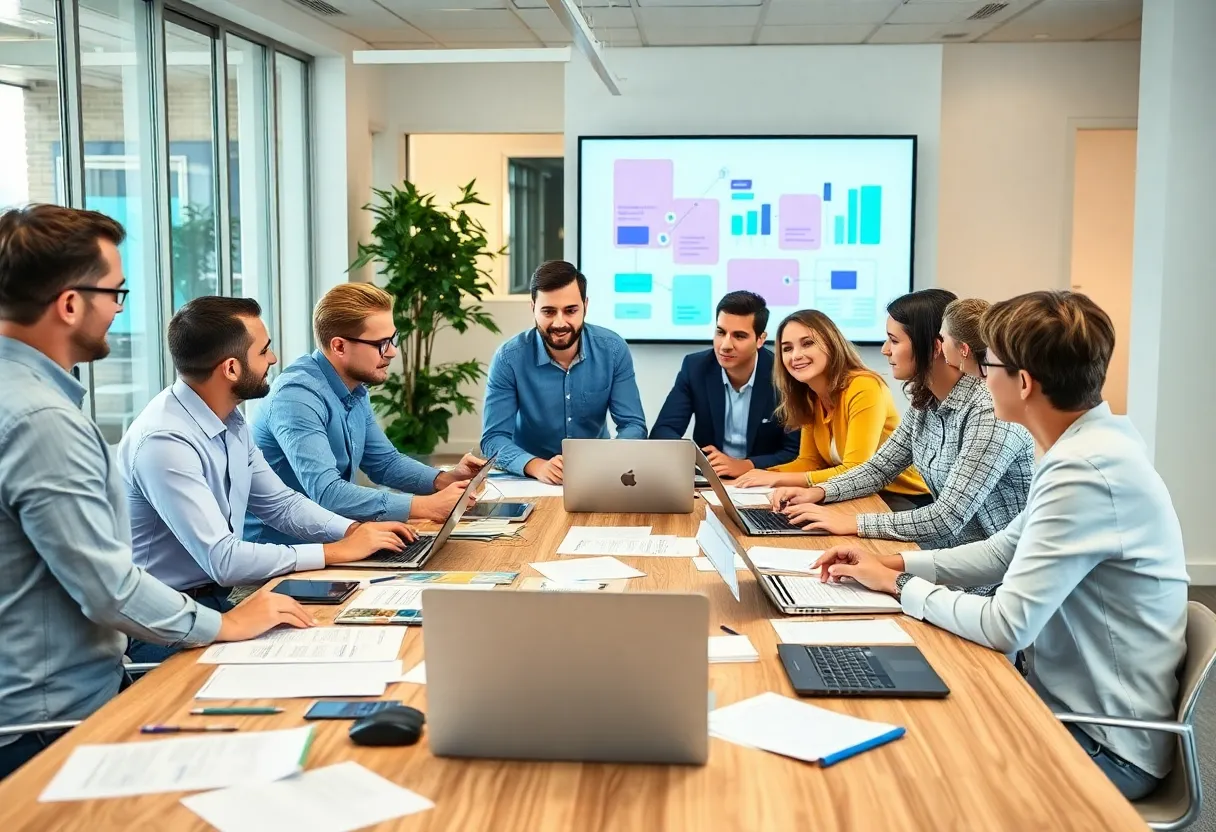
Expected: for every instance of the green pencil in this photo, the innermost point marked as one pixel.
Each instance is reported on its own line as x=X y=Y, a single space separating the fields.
x=251 y=711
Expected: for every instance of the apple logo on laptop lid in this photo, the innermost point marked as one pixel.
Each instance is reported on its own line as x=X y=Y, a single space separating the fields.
x=628 y=479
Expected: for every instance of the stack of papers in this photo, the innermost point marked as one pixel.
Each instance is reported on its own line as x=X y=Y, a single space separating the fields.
x=843 y=597
x=777 y=559
x=337 y=798
x=586 y=569
x=393 y=603
x=489 y=528
x=214 y=761
x=873 y=631
x=297 y=681
x=633 y=541
x=747 y=497
x=513 y=488
x=723 y=649
x=795 y=729
x=316 y=644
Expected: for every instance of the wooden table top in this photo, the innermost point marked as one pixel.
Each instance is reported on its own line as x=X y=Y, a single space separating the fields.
x=989 y=757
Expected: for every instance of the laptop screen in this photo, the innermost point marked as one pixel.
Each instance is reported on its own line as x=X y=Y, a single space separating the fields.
x=458 y=510
x=717 y=544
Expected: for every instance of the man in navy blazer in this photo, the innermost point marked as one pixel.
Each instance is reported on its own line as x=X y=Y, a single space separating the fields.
x=729 y=391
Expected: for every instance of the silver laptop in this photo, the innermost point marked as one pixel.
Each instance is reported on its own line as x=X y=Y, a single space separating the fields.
x=753 y=521
x=595 y=677
x=650 y=476
x=417 y=553
x=791 y=594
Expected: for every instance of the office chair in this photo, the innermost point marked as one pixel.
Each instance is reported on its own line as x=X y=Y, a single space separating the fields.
x=134 y=670
x=1177 y=802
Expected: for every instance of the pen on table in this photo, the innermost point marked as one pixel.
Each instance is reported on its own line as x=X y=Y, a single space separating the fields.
x=726 y=629
x=385 y=578
x=187 y=729
x=250 y=711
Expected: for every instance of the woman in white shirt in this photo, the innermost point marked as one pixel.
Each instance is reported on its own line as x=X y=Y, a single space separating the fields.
x=1092 y=573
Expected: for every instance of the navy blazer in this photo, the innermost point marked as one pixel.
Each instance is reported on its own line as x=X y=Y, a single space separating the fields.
x=698 y=395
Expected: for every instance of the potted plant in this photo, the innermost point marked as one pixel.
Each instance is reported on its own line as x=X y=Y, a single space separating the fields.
x=432 y=260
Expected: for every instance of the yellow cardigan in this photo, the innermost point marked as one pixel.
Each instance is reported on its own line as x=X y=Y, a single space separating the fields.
x=863 y=421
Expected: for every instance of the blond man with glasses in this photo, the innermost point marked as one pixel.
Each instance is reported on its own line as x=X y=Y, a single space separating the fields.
x=317 y=428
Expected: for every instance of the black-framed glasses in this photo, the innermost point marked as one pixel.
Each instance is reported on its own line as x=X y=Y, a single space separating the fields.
x=382 y=344
x=984 y=365
x=120 y=295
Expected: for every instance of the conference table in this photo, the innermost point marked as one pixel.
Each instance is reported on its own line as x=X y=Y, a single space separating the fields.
x=988 y=757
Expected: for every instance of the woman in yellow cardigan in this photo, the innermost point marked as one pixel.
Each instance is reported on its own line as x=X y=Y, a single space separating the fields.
x=844 y=409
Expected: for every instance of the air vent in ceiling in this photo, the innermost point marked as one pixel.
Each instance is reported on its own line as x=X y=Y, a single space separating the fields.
x=320 y=7
x=988 y=11
x=954 y=35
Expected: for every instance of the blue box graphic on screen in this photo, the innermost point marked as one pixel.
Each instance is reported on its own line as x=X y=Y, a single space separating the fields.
x=692 y=300
x=753 y=223
x=736 y=225
x=740 y=184
x=632 y=311
x=632 y=282
x=871 y=214
x=633 y=235
x=766 y=219
x=744 y=195
x=841 y=280
x=827 y=191
x=839 y=231
x=852 y=216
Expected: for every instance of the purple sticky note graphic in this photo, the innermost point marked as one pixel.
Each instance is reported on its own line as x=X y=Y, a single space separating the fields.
x=774 y=280
x=694 y=234
x=642 y=191
x=800 y=220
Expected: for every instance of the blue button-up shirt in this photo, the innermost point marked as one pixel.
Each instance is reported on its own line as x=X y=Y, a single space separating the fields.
x=190 y=478
x=532 y=403
x=738 y=406
x=68 y=589
x=317 y=434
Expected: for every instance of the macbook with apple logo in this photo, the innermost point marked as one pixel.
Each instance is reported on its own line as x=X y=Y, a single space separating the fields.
x=647 y=476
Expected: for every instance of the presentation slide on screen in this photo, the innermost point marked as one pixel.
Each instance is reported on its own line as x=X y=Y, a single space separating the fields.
x=668 y=226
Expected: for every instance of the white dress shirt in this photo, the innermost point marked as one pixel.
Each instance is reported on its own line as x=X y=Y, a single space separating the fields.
x=738 y=407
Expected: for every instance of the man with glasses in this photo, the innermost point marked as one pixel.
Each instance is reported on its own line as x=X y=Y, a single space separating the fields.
x=317 y=428
x=192 y=471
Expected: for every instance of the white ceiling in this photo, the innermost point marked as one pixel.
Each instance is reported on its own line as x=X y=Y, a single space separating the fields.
x=423 y=24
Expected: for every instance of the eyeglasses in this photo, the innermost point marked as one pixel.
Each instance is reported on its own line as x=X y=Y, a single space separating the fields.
x=120 y=295
x=984 y=365
x=381 y=344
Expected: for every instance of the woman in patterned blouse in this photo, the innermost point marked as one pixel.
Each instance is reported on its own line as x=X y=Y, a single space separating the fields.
x=977 y=468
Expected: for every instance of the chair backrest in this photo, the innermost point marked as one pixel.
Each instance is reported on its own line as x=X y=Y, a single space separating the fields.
x=1200 y=654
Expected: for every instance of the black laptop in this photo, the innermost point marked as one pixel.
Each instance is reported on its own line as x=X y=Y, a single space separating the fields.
x=818 y=670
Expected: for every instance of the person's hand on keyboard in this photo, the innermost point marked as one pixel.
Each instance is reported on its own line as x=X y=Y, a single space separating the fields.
x=369 y=538
x=867 y=568
x=783 y=497
x=822 y=518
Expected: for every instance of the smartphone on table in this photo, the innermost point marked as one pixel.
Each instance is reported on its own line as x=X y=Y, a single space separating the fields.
x=316 y=592
x=347 y=709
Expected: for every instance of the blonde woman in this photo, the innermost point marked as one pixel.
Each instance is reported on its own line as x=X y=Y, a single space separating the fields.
x=844 y=409
x=961 y=342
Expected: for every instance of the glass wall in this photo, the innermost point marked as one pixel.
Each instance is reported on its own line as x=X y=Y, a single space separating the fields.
x=164 y=118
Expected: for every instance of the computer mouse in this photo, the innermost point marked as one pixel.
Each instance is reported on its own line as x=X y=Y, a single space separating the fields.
x=400 y=725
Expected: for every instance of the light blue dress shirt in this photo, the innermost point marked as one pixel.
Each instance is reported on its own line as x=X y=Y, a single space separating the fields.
x=738 y=406
x=1093 y=576
x=532 y=403
x=316 y=434
x=68 y=589
x=190 y=478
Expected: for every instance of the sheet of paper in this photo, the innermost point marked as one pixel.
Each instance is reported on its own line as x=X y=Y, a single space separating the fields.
x=845 y=595
x=392 y=595
x=707 y=565
x=723 y=649
x=653 y=546
x=316 y=644
x=601 y=532
x=791 y=728
x=416 y=676
x=337 y=798
x=293 y=681
x=513 y=488
x=779 y=559
x=586 y=569
x=876 y=631
x=747 y=497
x=717 y=544
x=191 y=763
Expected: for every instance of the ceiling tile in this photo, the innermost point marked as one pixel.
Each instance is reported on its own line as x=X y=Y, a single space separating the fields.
x=397 y=34
x=582 y=4
x=671 y=4
x=856 y=33
x=1067 y=21
x=938 y=12
x=612 y=38
x=539 y=18
x=449 y=20
x=700 y=36
x=486 y=37
x=408 y=7
x=610 y=18
x=1129 y=32
x=697 y=17
x=907 y=33
x=523 y=44
x=832 y=13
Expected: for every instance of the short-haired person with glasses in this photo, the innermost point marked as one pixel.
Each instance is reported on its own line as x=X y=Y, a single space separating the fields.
x=559 y=379
x=317 y=429
x=1092 y=572
x=728 y=394
x=192 y=471
x=69 y=592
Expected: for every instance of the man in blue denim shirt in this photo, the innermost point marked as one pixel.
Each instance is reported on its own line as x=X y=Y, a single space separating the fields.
x=558 y=380
x=68 y=588
x=317 y=429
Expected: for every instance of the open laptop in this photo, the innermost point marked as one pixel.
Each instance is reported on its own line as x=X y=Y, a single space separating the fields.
x=417 y=553
x=753 y=521
x=584 y=676
x=648 y=476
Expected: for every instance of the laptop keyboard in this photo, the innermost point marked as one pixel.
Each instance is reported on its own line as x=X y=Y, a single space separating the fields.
x=763 y=518
x=849 y=668
x=411 y=553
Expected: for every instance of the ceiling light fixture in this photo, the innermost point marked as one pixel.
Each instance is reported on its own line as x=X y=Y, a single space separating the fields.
x=572 y=21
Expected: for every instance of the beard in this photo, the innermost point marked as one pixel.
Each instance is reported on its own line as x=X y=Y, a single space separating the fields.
x=250 y=386
x=562 y=338
x=369 y=377
x=92 y=347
